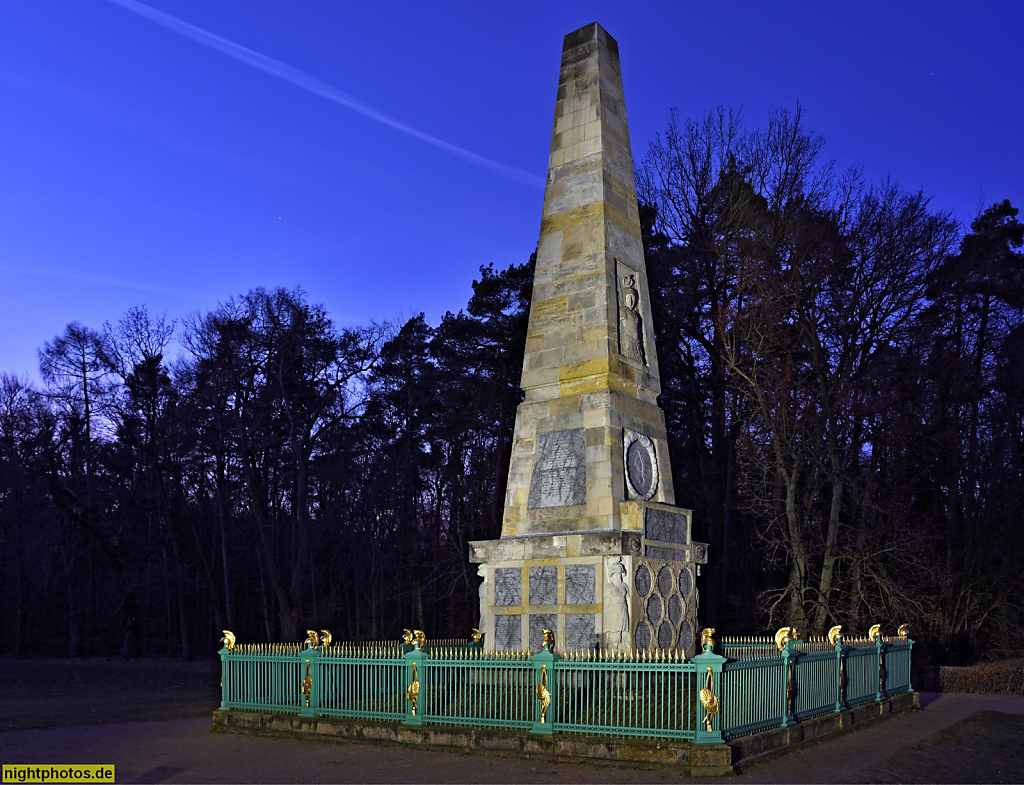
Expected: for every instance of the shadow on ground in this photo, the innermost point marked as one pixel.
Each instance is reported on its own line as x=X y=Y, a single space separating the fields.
x=53 y=691
x=987 y=746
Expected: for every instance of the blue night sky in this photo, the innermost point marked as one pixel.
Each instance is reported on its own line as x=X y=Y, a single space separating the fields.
x=377 y=154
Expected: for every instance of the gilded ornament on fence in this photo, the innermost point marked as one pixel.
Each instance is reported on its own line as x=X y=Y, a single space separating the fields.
x=325 y=638
x=834 y=634
x=786 y=634
x=407 y=637
x=312 y=639
x=903 y=632
x=543 y=694
x=307 y=684
x=477 y=635
x=413 y=693
x=708 y=699
x=706 y=641
x=419 y=639
x=875 y=632
x=228 y=640
x=549 y=640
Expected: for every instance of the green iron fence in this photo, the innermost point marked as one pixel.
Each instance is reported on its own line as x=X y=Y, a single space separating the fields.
x=769 y=689
x=624 y=696
x=709 y=698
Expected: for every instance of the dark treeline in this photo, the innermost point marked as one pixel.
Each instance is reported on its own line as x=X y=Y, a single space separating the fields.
x=282 y=473
x=843 y=379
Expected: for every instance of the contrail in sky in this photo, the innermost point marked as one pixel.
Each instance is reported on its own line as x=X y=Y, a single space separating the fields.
x=314 y=85
x=100 y=280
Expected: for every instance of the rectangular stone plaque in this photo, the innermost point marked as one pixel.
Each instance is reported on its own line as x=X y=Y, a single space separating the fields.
x=544 y=585
x=508 y=633
x=654 y=552
x=559 y=470
x=538 y=623
x=579 y=632
x=579 y=584
x=666 y=526
x=508 y=586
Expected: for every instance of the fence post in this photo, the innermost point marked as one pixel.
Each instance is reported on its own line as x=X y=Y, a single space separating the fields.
x=789 y=658
x=414 y=659
x=709 y=712
x=880 y=649
x=910 y=651
x=309 y=659
x=841 y=674
x=544 y=686
x=224 y=677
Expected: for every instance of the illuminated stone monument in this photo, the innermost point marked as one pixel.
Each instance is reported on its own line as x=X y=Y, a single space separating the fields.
x=591 y=545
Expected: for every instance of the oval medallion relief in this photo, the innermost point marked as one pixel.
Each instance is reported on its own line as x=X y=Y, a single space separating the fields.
x=641 y=465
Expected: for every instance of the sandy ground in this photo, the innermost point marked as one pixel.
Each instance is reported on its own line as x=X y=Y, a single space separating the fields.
x=184 y=749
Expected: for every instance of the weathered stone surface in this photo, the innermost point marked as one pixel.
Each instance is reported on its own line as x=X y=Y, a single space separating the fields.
x=580 y=632
x=508 y=632
x=560 y=470
x=642 y=580
x=667 y=526
x=657 y=552
x=544 y=585
x=508 y=586
x=579 y=584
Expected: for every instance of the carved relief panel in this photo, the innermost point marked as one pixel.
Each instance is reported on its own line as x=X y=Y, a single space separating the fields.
x=631 y=320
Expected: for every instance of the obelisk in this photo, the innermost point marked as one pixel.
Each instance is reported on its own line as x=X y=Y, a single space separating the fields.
x=591 y=545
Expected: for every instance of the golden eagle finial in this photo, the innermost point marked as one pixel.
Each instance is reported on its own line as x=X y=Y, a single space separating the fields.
x=312 y=639
x=228 y=640
x=407 y=637
x=549 y=640
x=708 y=699
x=786 y=634
x=706 y=641
x=835 y=634
x=419 y=639
x=326 y=637
x=875 y=632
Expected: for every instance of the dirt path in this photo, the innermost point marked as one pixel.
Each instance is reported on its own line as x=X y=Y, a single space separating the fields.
x=184 y=750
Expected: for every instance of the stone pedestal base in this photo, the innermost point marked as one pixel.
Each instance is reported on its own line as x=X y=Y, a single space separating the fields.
x=599 y=590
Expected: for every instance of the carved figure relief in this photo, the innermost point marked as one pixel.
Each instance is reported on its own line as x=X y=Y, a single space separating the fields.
x=631 y=325
x=616 y=609
x=482 y=572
